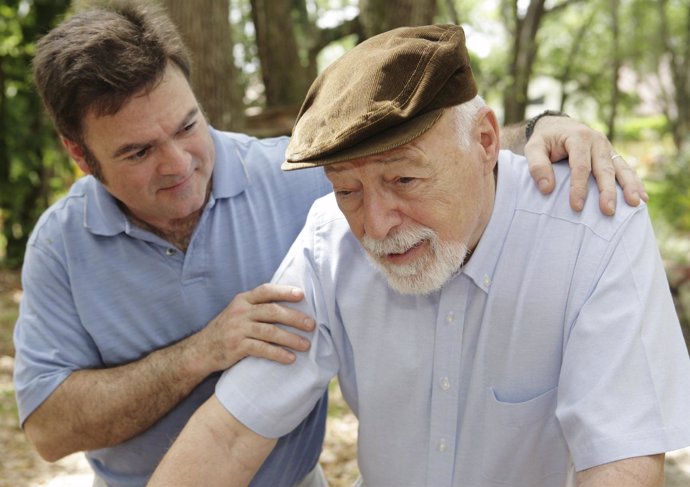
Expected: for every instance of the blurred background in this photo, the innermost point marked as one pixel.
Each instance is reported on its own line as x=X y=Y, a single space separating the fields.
x=621 y=66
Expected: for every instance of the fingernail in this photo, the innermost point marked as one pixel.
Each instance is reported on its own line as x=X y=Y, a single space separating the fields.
x=308 y=323
x=295 y=291
x=611 y=206
x=543 y=184
x=645 y=196
x=579 y=204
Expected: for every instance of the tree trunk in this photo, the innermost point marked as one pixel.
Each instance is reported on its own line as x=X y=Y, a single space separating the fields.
x=566 y=73
x=205 y=27
x=286 y=79
x=679 y=52
x=615 y=71
x=378 y=16
x=523 y=54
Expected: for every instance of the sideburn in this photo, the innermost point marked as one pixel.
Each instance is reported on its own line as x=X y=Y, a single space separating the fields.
x=93 y=163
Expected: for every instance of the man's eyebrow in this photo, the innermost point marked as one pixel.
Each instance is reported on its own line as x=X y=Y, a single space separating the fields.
x=127 y=148
x=137 y=146
x=335 y=168
x=188 y=118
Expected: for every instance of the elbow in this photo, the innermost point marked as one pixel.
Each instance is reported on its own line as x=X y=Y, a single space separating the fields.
x=49 y=447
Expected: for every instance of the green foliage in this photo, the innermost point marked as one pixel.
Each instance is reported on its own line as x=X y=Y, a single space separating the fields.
x=670 y=197
x=32 y=166
x=643 y=128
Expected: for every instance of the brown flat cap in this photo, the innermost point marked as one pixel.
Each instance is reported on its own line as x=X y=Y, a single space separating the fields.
x=383 y=93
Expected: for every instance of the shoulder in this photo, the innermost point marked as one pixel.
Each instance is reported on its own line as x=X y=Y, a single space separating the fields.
x=66 y=213
x=230 y=145
x=557 y=204
x=325 y=213
x=325 y=229
x=259 y=161
x=327 y=232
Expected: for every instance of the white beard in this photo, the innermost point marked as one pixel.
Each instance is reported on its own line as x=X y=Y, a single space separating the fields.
x=426 y=274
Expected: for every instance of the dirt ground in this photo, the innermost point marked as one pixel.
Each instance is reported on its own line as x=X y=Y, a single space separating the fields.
x=20 y=466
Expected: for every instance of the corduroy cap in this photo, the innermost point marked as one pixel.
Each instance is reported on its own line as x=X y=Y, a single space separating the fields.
x=382 y=94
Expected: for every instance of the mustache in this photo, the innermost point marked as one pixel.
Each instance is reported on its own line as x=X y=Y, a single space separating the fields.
x=399 y=242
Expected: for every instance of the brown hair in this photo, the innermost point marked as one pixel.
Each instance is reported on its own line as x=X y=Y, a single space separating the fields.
x=100 y=57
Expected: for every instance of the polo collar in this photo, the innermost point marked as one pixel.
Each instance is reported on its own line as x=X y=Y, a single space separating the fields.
x=229 y=174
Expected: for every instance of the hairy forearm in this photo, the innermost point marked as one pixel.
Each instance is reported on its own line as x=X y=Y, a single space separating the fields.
x=213 y=450
x=513 y=138
x=103 y=407
x=645 y=471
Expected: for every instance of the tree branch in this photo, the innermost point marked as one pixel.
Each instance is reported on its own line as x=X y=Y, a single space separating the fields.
x=323 y=37
x=561 y=6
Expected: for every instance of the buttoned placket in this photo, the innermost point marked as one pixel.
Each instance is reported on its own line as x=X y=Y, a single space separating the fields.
x=446 y=376
x=196 y=261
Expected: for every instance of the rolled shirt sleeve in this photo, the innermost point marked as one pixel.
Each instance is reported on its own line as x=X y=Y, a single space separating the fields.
x=271 y=398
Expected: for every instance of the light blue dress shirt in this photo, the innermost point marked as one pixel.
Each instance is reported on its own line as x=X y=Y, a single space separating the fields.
x=555 y=348
x=100 y=292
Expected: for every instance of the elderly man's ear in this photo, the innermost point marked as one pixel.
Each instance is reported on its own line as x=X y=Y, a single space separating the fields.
x=488 y=133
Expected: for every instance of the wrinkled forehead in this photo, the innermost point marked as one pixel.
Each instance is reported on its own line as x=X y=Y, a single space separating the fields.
x=408 y=155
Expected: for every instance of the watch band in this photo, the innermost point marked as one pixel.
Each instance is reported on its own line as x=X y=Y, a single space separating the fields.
x=529 y=128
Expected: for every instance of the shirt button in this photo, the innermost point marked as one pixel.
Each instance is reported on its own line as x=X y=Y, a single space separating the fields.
x=487 y=280
x=442 y=447
x=450 y=317
x=445 y=384
x=170 y=252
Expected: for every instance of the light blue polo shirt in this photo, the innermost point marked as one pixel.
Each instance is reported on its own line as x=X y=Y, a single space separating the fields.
x=100 y=292
x=555 y=349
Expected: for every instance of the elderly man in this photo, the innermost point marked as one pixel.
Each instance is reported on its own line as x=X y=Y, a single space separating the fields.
x=504 y=339
x=483 y=333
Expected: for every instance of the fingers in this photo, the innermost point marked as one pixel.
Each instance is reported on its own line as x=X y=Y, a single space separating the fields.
x=605 y=175
x=580 y=160
x=271 y=313
x=609 y=167
x=253 y=317
x=267 y=293
x=633 y=188
x=262 y=338
x=540 y=168
x=589 y=153
x=273 y=343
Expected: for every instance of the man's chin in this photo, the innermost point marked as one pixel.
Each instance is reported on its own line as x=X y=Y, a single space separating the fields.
x=416 y=284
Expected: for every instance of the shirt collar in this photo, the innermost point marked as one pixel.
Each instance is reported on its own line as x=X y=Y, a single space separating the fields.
x=104 y=217
x=229 y=174
x=482 y=265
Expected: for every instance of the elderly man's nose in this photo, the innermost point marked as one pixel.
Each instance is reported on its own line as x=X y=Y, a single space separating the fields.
x=380 y=216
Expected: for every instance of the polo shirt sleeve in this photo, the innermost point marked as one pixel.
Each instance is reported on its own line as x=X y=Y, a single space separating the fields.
x=625 y=378
x=271 y=398
x=49 y=339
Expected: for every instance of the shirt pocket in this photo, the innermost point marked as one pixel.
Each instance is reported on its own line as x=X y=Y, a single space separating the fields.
x=523 y=444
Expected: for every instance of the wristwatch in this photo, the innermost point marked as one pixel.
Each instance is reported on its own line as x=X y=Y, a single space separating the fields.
x=529 y=128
